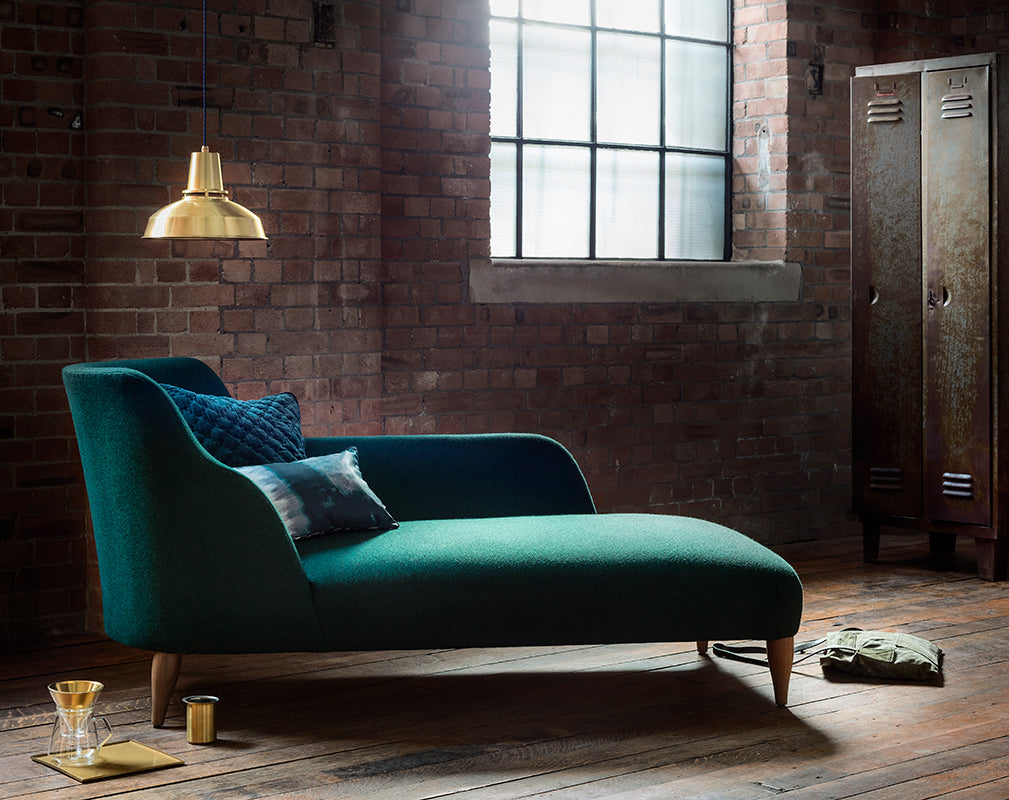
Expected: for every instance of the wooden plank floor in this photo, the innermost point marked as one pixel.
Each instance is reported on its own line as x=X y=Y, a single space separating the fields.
x=632 y=722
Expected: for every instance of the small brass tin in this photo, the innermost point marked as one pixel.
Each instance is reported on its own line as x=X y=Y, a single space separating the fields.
x=200 y=718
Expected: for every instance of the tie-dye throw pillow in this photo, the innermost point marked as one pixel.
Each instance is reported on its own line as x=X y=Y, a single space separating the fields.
x=322 y=494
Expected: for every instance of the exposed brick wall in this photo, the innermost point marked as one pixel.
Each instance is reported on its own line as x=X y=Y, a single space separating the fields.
x=435 y=207
x=360 y=134
x=42 y=250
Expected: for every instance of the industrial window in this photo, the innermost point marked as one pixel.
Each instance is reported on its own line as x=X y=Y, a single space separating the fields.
x=610 y=129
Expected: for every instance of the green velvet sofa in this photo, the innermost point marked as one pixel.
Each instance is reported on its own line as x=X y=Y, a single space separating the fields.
x=498 y=544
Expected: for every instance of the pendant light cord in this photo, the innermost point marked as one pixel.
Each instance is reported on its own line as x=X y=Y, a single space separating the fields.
x=204 y=73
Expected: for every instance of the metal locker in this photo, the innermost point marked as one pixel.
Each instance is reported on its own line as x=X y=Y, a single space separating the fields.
x=955 y=214
x=886 y=307
x=926 y=301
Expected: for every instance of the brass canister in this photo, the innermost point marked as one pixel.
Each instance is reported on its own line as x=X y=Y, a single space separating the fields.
x=200 y=718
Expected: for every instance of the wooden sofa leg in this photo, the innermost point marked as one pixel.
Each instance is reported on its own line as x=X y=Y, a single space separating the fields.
x=702 y=647
x=780 y=653
x=164 y=673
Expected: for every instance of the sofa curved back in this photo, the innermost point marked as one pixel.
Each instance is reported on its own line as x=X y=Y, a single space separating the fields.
x=192 y=556
x=459 y=476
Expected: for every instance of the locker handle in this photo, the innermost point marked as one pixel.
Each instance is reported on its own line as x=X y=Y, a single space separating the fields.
x=934 y=300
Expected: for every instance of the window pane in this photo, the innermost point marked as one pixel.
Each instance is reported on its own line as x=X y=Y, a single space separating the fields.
x=697 y=20
x=628 y=89
x=572 y=12
x=557 y=70
x=504 y=8
x=503 y=189
x=627 y=204
x=555 y=202
x=636 y=15
x=504 y=78
x=696 y=95
x=695 y=206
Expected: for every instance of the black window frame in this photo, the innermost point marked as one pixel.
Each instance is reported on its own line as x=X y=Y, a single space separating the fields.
x=594 y=145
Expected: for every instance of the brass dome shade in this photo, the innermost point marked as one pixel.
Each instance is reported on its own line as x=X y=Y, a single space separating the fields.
x=204 y=212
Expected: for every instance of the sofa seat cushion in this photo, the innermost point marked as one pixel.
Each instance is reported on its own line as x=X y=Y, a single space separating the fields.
x=548 y=580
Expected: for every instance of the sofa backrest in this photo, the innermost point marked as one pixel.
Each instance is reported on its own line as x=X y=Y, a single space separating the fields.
x=468 y=475
x=189 y=373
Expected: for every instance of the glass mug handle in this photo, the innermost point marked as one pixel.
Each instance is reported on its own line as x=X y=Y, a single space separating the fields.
x=100 y=721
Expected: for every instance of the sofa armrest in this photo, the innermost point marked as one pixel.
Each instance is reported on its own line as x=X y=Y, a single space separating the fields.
x=467 y=476
x=192 y=556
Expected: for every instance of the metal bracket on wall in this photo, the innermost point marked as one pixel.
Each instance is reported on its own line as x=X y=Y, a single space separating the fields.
x=814 y=79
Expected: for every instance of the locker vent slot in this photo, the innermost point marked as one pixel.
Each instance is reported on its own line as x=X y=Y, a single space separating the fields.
x=956 y=484
x=957 y=105
x=886 y=479
x=884 y=108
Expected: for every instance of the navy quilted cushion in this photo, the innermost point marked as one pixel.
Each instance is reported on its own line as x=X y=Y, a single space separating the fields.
x=243 y=432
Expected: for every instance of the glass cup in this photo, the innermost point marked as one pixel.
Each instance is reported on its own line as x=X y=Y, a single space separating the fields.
x=74 y=739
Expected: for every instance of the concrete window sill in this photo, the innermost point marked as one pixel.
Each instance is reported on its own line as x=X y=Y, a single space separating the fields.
x=556 y=281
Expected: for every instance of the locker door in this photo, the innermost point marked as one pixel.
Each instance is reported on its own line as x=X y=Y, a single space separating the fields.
x=956 y=220
x=886 y=294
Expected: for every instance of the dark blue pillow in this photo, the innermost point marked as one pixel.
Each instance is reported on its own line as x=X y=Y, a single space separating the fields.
x=243 y=432
x=321 y=494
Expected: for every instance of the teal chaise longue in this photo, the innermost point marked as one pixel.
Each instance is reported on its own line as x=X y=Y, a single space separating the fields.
x=220 y=529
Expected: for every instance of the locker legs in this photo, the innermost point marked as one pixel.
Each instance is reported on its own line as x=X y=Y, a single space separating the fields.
x=942 y=543
x=992 y=554
x=992 y=559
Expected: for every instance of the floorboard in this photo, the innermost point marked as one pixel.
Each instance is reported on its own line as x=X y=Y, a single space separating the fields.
x=631 y=722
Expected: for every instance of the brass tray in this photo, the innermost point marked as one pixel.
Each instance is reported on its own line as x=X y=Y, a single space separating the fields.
x=115 y=760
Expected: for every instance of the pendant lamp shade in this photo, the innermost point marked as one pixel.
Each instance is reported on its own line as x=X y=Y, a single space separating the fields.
x=204 y=212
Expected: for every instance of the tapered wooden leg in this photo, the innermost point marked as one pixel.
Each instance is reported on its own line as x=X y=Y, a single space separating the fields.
x=702 y=647
x=164 y=673
x=780 y=653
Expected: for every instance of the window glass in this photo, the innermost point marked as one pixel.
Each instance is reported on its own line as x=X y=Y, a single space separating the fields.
x=503 y=198
x=696 y=80
x=695 y=195
x=697 y=20
x=555 y=202
x=504 y=68
x=627 y=204
x=574 y=12
x=628 y=83
x=556 y=83
x=504 y=8
x=638 y=15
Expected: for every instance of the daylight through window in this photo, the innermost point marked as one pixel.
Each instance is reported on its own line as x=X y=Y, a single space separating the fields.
x=610 y=129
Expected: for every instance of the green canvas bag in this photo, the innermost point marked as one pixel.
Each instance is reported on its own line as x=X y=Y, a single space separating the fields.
x=879 y=654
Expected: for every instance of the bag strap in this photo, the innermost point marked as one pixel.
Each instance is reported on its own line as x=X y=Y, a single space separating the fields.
x=749 y=653
x=740 y=653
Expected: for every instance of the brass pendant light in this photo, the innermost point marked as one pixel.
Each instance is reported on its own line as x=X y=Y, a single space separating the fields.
x=204 y=212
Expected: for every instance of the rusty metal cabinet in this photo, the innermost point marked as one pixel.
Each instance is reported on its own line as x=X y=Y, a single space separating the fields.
x=930 y=320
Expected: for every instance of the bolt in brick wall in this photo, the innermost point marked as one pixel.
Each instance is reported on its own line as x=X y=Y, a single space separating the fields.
x=358 y=130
